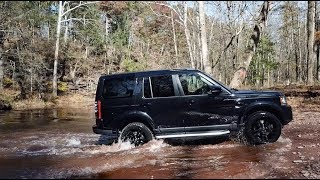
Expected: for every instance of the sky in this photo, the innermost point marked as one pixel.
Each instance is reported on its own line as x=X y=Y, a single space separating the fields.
x=218 y=10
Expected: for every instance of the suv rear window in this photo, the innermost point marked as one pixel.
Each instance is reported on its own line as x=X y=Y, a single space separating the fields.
x=161 y=86
x=118 y=87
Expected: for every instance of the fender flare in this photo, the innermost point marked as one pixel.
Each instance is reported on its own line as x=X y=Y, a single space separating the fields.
x=136 y=116
x=261 y=106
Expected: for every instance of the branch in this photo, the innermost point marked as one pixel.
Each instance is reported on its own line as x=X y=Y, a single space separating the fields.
x=228 y=45
x=163 y=15
x=65 y=3
x=77 y=19
x=79 y=5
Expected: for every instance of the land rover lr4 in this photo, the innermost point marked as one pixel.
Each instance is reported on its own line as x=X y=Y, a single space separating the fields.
x=162 y=104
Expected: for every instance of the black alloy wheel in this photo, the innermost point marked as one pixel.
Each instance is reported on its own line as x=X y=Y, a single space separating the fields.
x=136 y=133
x=262 y=127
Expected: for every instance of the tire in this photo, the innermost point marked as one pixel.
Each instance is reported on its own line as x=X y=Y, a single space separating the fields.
x=261 y=128
x=136 y=133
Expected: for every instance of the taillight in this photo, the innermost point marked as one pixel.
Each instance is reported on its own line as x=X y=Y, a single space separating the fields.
x=283 y=100
x=98 y=109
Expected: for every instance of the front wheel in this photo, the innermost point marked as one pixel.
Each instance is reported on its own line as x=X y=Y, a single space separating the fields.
x=136 y=133
x=261 y=128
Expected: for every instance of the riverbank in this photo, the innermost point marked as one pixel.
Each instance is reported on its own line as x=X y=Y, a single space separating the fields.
x=72 y=100
x=86 y=100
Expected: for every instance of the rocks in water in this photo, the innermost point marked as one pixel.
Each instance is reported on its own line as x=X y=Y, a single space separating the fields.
x=305 y=173
x=5 y=105
x=297 y=161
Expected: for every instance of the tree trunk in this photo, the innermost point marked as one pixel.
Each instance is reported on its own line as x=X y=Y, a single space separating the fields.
x=194 y=48
x=310 y=44
x=204 y=43
x=187 y=33
x=300 y=55
x=175 y=41
x=106 y=41
x=296 y=50
x=56 y=53
x=240 y=74
x=1 y=60
x=31 y=81
x=65 y=37
x=1 y=71
x=317 y=45
x=198 y=54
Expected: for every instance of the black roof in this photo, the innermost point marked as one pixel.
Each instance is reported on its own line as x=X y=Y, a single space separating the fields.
x=151 y=72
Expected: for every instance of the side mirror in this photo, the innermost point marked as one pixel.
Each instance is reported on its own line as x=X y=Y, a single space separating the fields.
x=215 y=90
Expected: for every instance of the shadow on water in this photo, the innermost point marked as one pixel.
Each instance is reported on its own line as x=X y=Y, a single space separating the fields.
x=105 y=140
x=197 y=141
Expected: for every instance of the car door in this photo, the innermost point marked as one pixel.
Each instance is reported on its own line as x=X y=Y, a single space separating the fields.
x=116 y=98
x=159 y=101
x=202 y=110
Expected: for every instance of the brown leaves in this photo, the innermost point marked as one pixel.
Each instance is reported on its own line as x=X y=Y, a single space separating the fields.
x=317 y=38
x=114 y=7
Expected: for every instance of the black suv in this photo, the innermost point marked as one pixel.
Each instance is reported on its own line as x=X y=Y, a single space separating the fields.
x=184 y=103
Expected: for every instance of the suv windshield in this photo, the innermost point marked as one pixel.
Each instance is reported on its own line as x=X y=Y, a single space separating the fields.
x=215 y=82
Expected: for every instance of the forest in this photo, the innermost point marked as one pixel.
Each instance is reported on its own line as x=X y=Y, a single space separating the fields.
x=52 y=48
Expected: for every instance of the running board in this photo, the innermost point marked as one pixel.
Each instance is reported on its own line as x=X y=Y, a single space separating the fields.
x=196 y=134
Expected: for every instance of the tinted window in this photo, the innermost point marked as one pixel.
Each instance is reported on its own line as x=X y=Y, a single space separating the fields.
x=193 y=84
x=162 y=86
x=118 y=87
x=146 y=88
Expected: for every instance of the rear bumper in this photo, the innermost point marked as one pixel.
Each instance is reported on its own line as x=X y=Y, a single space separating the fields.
x=287 y=114
x=109 y=133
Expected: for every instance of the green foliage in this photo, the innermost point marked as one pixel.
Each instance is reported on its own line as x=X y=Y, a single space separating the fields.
x=7 y=82
x=90 y=28
x=132 y=66
x=263 y=60
x=120 y=31
x=62 y=87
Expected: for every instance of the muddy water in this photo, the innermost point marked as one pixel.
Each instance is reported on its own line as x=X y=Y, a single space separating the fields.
x=60 y=143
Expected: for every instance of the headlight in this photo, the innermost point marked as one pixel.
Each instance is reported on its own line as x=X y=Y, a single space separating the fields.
x=283 y=100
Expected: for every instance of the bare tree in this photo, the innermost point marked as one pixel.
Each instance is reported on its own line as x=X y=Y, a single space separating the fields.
x=56 y=52
x=187 y=34
x=1 y=71
x=240 y=74
x=1 y=61
x=182 y=20
x=204 y=43
x=310 y=44
x=62 y=13
x=174 y=40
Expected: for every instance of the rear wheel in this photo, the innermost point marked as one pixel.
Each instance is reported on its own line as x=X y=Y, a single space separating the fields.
x=136 y=133
x=261 y=128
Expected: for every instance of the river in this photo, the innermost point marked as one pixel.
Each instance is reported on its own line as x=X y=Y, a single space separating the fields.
x=59 y=143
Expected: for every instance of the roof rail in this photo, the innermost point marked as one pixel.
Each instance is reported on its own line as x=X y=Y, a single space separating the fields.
x=184 y=69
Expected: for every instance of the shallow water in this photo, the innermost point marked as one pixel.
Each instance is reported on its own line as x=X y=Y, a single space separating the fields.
x=59 y=143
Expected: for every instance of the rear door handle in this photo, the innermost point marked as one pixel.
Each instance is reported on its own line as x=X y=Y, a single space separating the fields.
x=146 y=104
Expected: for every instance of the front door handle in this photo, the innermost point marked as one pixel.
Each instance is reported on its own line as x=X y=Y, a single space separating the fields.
x=191 y=101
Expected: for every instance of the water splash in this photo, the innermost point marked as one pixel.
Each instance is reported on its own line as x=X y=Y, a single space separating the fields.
x=73 y=142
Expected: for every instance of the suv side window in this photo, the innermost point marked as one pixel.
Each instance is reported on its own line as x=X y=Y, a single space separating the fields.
x=146 y=88
x=118 y=87
x=161 y=86
x=194 y=84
